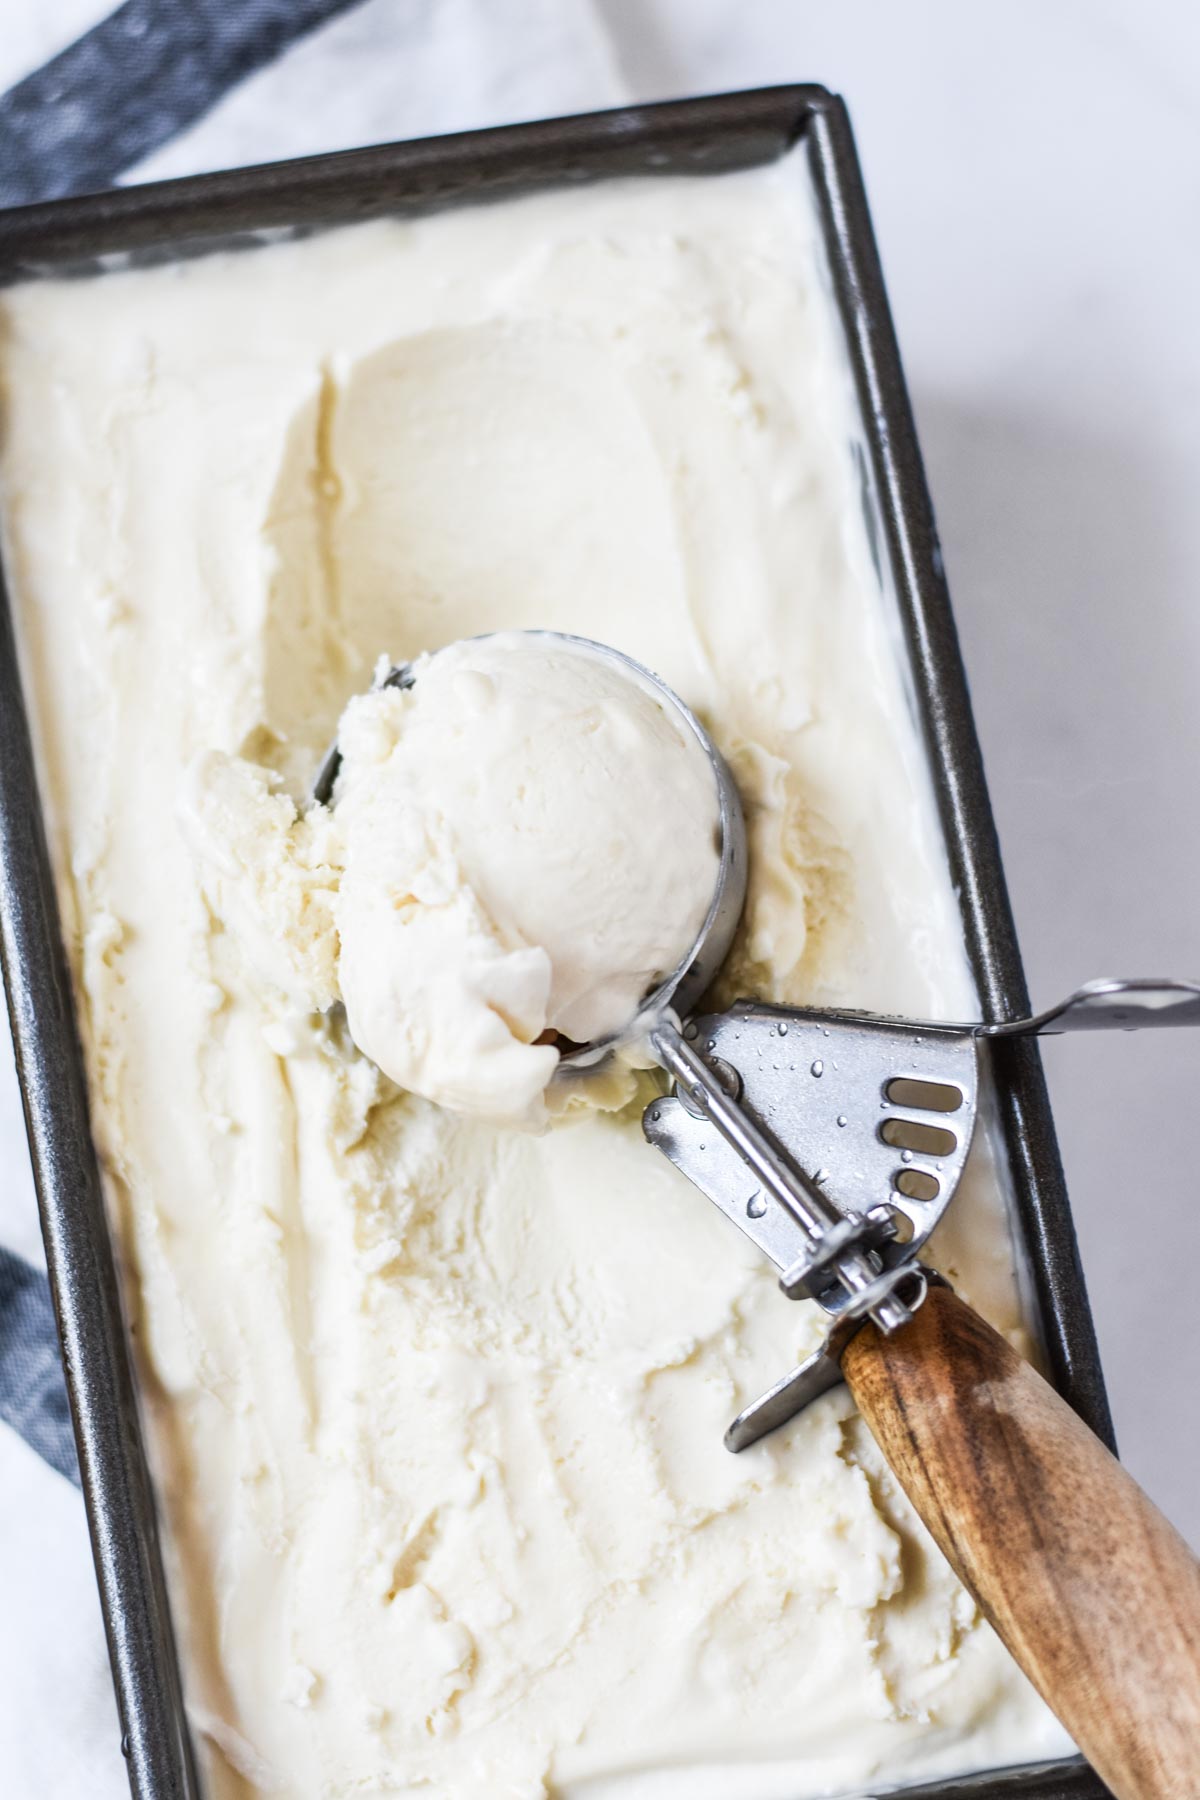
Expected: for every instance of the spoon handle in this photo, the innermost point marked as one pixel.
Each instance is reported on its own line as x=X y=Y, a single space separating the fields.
x=1094 y=1593
x=1131 y=1004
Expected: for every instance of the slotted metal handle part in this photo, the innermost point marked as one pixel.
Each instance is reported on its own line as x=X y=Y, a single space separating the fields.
x=833 y=1247
x=812 y=1130
x=875 y=1113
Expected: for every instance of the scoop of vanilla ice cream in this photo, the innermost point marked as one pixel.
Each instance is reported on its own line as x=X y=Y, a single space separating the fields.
x=522 y=843
x=531 y=842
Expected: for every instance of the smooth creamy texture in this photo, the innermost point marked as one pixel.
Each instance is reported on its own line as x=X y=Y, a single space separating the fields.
x=436 y=1407
x=525 y=840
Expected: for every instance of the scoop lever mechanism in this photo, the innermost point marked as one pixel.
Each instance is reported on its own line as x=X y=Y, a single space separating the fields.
x=832 y=1249
x=836 y=1140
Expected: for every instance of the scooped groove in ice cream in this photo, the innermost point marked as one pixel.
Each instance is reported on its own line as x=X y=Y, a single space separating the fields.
x=531 y=843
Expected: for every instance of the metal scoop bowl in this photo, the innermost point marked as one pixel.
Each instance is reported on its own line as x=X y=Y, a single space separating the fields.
x=678 y=991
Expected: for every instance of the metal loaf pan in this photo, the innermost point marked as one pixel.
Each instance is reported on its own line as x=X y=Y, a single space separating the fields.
x=180 y=218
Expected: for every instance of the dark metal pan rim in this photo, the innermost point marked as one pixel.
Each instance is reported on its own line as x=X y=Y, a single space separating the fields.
x=184 y=216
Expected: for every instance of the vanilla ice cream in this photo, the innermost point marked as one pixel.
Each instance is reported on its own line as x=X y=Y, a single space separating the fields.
x=435 y=1405
x=526 y=843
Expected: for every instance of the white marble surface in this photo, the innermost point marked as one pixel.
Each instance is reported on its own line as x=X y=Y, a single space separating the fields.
x=1035 y=176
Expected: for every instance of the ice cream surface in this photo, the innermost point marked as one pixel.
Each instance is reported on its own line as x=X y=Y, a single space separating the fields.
x=435 y=1406
x=526 y=842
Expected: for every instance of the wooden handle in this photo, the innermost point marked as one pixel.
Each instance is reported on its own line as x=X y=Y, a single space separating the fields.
x=1095 y=1594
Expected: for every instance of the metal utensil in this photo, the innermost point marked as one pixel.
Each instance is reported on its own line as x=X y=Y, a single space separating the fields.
x=834 y=1140
x=819 y=1133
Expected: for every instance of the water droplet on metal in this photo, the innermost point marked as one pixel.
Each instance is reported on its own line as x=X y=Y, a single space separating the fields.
x=818 y=1068
x=655 y=1116
x=842 y=1119
x=712 y=1044
x=756 y=1206
x=906 y=1156
x=781 y=1028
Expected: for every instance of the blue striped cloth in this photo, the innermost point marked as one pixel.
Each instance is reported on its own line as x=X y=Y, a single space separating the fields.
x=33 y=1395
x=145 y=72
